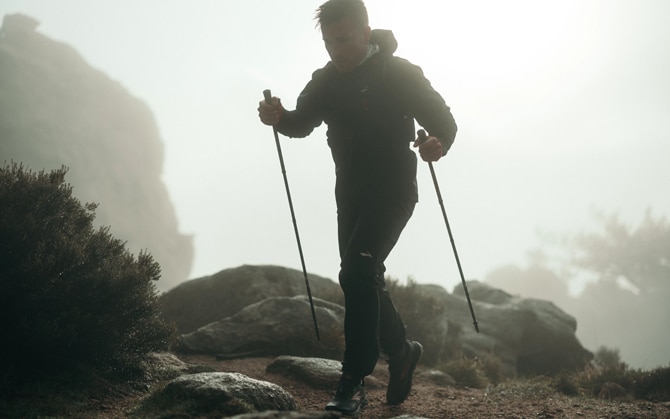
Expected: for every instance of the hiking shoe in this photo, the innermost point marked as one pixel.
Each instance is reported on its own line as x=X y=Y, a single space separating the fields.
x=349 y=398
x=401 y=369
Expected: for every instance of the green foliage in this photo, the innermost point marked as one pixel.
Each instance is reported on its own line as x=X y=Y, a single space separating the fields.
x=69 y=295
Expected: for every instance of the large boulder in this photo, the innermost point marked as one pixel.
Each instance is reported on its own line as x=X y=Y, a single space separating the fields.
x=223 y=394
x=200 y=301
x=276 y=414
x=274 y=326
x=56 y=110
x=533 y=336
x=318 y=373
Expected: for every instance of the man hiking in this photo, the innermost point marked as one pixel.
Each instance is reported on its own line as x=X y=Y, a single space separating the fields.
x=369 y=100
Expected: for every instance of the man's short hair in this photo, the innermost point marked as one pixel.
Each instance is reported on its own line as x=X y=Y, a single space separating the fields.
x=334 y=11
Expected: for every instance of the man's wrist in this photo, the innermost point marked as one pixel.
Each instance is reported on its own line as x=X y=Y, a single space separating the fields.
x=280 y=110
x=444 y=145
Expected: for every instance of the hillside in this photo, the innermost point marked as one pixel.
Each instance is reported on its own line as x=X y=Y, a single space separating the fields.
x=57 y=110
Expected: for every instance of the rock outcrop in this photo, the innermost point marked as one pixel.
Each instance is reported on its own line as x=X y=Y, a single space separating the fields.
x=534 y=336
x=276 y=414
x=274 y=326
x=318 y=373
x=56 y=110
x=226 y=393
x=201 y=301
x=238 y=396
x=527 y=335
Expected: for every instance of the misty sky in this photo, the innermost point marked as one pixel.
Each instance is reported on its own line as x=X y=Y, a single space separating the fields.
x=562 y=109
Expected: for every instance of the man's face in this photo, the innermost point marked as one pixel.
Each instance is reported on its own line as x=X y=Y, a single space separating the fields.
x=346 y=43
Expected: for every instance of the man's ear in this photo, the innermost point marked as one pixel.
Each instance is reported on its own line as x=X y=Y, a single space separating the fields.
x=366 y=34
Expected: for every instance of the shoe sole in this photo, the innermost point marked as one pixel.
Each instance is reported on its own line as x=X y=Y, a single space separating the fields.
x=415 y=362
x=354 y=414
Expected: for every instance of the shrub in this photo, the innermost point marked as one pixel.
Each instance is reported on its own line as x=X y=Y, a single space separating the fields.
x=653 y=385
x=466 y=371
x=415 y=307
x=565 y=383
x=606 y=368
x=493 y=369
x=608 y=358
x=69 y=295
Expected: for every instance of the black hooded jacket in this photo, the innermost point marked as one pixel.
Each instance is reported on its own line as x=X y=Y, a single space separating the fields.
x=370 y=114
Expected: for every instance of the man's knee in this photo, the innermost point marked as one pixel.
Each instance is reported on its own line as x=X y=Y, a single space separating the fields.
x=360 y=272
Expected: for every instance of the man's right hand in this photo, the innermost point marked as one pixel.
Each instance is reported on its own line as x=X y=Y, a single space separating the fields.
x=270 y=114
x=430 y=148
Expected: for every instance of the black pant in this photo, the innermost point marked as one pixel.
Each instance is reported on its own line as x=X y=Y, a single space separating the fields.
x=367 y=231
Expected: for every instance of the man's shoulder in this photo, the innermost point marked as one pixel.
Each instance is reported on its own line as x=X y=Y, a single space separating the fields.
x=401 y=62
x=327 y=70
x=402 y=67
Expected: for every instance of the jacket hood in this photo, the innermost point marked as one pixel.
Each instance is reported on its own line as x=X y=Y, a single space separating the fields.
x=385 y=39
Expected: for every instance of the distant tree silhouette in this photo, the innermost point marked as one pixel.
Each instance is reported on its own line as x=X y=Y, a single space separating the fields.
x=626 y=307
x=639 y=257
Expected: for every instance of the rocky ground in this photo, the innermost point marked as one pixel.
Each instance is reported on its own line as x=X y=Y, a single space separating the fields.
x=518 y=399
x=534 y=398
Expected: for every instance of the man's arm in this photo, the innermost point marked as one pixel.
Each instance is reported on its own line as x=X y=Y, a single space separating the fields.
x=425 y=104
x=301 y=122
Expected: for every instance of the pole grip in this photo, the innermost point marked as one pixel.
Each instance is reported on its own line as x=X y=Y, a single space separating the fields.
x=422 y=136
x=268 y=96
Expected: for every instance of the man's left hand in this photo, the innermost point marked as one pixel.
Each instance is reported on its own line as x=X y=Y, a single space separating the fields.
x=430 y=149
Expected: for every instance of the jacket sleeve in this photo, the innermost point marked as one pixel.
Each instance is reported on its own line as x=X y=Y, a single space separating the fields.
x=307 y=115
x=424 y=103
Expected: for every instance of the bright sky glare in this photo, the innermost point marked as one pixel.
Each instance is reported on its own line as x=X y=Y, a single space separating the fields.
x=562 y=109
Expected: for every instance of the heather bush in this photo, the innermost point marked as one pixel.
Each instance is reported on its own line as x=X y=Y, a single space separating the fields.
x=465 y=371
x=415 y=306
x=608 y=368
x=653 y=385
x=70 y=295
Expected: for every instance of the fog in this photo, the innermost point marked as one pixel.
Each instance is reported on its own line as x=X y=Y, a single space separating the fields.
x=562 y=109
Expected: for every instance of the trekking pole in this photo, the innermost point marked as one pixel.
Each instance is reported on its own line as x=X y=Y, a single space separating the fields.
x=422 y=138
x=268 y=100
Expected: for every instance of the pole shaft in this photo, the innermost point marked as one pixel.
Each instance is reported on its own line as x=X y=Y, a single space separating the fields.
x=453 y=245
x=423 y=137
x=268 y=99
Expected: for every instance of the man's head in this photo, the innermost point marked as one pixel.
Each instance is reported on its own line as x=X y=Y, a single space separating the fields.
x=346 y=32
